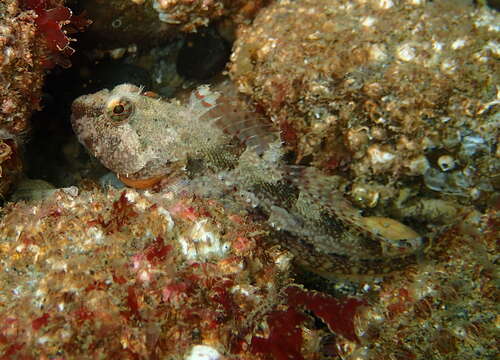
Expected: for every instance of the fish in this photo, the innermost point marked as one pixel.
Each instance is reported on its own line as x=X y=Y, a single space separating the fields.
x=212 y=146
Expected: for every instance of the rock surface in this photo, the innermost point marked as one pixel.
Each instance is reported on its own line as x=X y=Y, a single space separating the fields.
x=384 y=109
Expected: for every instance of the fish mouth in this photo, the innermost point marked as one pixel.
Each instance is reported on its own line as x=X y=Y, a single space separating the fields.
x=141 y=183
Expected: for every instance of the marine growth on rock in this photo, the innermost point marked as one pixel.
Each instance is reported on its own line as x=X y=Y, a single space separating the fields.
x=335 y=198
x=380 y=93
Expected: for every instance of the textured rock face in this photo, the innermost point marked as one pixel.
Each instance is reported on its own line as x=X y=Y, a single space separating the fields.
x=149 y=22
x=87 y=274
x=396 y=100
x=34 y=37
x=123 y=22
x=20 y=69
x=440 y=310
x=381 y=92
x=191 y=14
x=94 y=275
x=21 y=77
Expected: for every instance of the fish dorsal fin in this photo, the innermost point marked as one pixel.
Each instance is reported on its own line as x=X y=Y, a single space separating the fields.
x=202 y=100
x=238 y=116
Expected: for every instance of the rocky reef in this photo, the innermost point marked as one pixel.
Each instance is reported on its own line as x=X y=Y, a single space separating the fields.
x=34 y=37
x=396 y=105
x=382 y=108
x=21 y=75
x=149 y=22
x=132 y=275
x=147 y=275
x=439 y=309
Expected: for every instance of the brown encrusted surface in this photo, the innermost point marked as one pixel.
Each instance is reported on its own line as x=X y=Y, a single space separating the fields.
x=134 y=275
x=131 y=276
x=380 y=90
x=98 y=274
x=191 y=14
x=20 y=71
x=147 y=23
x=123 y=22
x=10 y=165
x=21 y=78
x=443 y=309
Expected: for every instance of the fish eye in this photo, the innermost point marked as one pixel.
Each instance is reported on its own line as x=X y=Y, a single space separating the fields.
x=119 y=110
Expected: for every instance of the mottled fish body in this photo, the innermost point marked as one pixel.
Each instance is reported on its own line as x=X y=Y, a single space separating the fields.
x=229 y=154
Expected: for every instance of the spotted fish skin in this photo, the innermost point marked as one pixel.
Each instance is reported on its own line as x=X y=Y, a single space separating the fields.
x=139 y=136
x=236 y=159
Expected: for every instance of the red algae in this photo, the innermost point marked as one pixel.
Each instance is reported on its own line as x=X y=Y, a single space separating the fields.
x=285 y=336
x=338 y=314
x=157 y=251
x=120 y=215
x=52 y=21
x=133 y=302
x=40 y=322
x=141 y=290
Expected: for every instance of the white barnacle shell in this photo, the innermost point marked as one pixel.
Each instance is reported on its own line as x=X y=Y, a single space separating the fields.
x=203 y=352
x=203 y=243
x=406 y=52
x=446 y=162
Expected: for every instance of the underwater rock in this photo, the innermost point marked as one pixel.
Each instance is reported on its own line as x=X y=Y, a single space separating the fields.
x=190 y=14
x=444 y=309
x=119 y=23
x=32 y=190
x=11 y=165
x=84 y=273
x=33 y=38
x=21 y=71
x=357 y=98
x=22 y=56
x=125 y=274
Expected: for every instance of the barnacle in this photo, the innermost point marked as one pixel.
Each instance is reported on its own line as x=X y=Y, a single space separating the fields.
x=446 y=162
